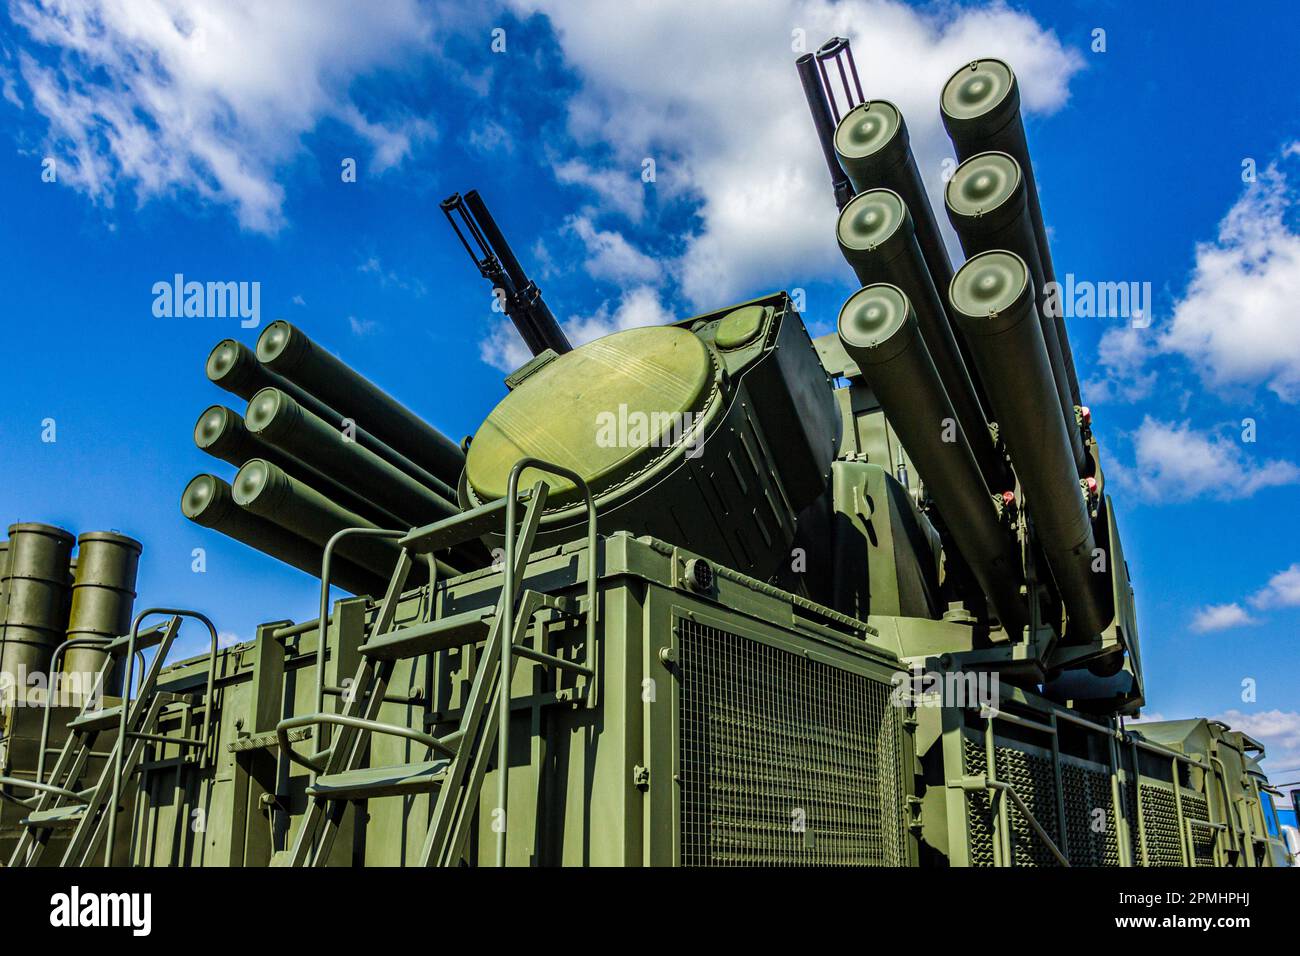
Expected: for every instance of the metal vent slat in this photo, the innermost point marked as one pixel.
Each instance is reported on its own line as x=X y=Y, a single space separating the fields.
x=785 y=761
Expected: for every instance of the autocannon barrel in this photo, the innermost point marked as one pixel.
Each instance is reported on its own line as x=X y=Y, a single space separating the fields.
x=208 y=501
x=877 y=236
x=980 y=107
x=994 y=298
x=103 y=595
x=291 y=354
x=36 y=596
x=987 y=204
x=274 y=418
x=880 y=331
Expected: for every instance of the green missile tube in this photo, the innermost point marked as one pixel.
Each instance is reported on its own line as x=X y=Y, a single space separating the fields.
x=103 y=595
x=233 y=366
x=221 y=432
x=36 y=596
x=881 y=332
x=980 y=108
x=876 y=152
x=877 y=237
x=270 y=493
x=994 y=298
x=209 y=502
x=274 y=418
x=287 y=351
x=987 y=204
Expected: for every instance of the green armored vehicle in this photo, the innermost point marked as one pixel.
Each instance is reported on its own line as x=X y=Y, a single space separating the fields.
x=707 y=594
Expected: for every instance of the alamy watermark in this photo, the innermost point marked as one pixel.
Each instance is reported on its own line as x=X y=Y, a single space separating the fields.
x=208 y=300
x=955 y=688
x=1084 y=299
x=630 y=428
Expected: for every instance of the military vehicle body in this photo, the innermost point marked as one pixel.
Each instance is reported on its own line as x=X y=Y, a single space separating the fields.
x=759 y=599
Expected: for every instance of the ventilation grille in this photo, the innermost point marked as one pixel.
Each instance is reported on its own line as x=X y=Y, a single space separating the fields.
x=1160 y=826
x=1203 y=837
x=1032 y=777
x=784 y=760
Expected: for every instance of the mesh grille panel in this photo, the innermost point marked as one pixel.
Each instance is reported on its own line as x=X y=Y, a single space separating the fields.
x=1203 y=838
x=1160 y=826
x=1089 y=816
x=784 y=760
x=1032 y=777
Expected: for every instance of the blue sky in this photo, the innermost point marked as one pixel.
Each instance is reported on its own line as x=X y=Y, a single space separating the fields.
x=209 y=142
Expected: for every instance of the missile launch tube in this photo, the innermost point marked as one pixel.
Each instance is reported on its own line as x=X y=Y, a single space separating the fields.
x=994 y=298
x=880 y=331
x=208 y=501
x=987 y=204
x=291 y=354
x=234 y=367
x=36 y=596
x=270 y=493
x=221 y=432
x=980 y=107
x=103 y=595
x=874 y=148
x=877 y=237
x=273 y=417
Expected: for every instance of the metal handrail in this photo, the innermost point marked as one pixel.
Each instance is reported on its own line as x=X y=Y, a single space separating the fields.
x=323 y=627
x=49 y=697
x=126 y=705
x=357 y=723
x=78 y=796
x=982 y=782
x=508 y=609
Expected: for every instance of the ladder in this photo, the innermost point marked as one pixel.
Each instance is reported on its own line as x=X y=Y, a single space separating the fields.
x=457 y=762
x=89 y=815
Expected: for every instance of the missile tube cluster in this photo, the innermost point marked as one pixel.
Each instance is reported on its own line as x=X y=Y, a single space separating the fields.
x=320 y=448
x=948 y=353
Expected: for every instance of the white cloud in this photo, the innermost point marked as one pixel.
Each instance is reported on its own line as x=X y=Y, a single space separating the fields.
x=620 y=190
x=1174 y=462
x=1121 y=366
x=710 y=93
x=299 y=300
x=361 y=327
x=228 y=639
x=209 y=99
x=1277 y=730
x=1233 y=324
x=490 y=136
x=389 y=277
x=1282 y=590
x=610 y=256
x=1220 y=617
x=638 y=307
x=1236 y=322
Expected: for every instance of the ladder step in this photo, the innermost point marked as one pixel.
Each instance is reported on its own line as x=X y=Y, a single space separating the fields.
x=458 y=529
x=468 y=627
x=56 y=818
x=101 y=719
x=381 y=781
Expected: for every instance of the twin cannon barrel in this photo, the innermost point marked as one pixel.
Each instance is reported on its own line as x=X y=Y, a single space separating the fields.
x=948 y=353
x=320 y=448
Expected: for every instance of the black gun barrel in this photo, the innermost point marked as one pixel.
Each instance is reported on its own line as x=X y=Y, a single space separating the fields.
x=498 y=264
x=825 y=126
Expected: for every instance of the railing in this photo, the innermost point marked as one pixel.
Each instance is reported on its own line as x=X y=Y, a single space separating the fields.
x=127 y=710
